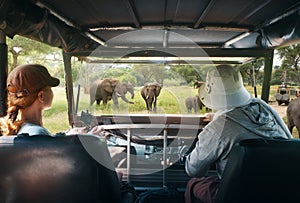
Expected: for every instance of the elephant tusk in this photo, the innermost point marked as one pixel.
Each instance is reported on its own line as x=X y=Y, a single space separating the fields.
x=147 y=97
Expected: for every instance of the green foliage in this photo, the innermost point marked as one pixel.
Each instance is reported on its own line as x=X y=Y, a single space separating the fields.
x=290 y=56
x=128 y=78
x=100 y=71
x=189 y=73
x=115 y=72
x=30 y=46
x=247 y=72
x=149 y=73
x=24 y=50
x=277 y=76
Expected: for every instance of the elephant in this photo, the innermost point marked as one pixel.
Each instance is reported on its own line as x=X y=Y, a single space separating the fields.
x=150 y=92
x=193 y=102
x=128 y=87
x=293 y=115
x=110 y=88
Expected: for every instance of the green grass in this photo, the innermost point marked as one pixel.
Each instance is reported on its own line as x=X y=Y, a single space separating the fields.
x=170 y=101
x=56 y=118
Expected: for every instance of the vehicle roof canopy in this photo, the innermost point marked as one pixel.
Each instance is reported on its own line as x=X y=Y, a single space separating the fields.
x=78 y=27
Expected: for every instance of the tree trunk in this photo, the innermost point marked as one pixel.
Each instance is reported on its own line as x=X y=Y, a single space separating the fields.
x=15 y=58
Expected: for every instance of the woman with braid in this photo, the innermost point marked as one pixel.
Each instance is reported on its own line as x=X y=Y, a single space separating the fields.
x=29 y=94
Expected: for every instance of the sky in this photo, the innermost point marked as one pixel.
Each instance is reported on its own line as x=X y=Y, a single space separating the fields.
x=276 y=59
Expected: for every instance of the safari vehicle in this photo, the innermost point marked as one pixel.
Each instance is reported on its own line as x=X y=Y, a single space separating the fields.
x=283 y=94
x=286 y=92
x=39 y=169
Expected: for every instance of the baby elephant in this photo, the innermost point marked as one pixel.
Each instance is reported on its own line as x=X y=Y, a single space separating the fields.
x=293 y=115
x=193 y=102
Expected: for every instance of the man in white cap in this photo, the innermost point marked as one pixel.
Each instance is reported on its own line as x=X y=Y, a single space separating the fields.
x=238 y=117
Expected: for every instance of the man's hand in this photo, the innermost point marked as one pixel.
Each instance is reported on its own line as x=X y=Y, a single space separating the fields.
x=97 y=130
x=77 y=130
x=208 y=117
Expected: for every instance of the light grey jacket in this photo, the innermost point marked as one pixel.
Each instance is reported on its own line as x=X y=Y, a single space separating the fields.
x=254 y=120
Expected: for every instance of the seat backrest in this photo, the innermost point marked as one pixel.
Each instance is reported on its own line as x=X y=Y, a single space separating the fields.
x=262 y=171
x=56 y=170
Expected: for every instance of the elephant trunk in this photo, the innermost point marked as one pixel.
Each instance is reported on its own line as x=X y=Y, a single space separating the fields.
x=125 y=99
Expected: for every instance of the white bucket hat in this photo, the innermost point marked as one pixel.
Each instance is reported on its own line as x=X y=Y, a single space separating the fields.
x=224 y=89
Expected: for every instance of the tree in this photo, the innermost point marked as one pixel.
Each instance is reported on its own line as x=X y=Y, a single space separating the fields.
x=159 y=73
x=290 y=56
x=149 y=73
x=24 y=50
x=128 y=78
x=188 y=73
x=277 y=76
x=143 y=73
x=247 y=71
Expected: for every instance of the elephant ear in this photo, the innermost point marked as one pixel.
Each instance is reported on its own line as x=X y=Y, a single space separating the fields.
x=157 y=89
x=110 y=85
x=129 y=87
x=114 y=82
x=124 y=87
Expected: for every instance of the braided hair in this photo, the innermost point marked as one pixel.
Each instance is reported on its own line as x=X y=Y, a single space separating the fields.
x=12 y=122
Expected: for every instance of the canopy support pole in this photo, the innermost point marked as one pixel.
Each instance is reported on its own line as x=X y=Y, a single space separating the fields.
x=69 y=87
x=267 y=75
x=3 y=74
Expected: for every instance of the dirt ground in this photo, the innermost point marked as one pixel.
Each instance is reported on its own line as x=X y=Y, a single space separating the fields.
x=281 y=110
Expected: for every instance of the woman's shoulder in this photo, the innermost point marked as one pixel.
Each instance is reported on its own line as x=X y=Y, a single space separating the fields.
x=33 y=129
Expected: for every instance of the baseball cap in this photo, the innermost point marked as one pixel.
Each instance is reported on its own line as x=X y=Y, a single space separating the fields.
x=29 y=78
x=224 y=89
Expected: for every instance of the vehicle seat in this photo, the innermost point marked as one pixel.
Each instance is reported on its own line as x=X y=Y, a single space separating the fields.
x=56 y=170
x=262 y=171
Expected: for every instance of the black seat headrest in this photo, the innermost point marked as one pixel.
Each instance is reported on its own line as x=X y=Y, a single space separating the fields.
x=56 y=169
x=260 y=170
